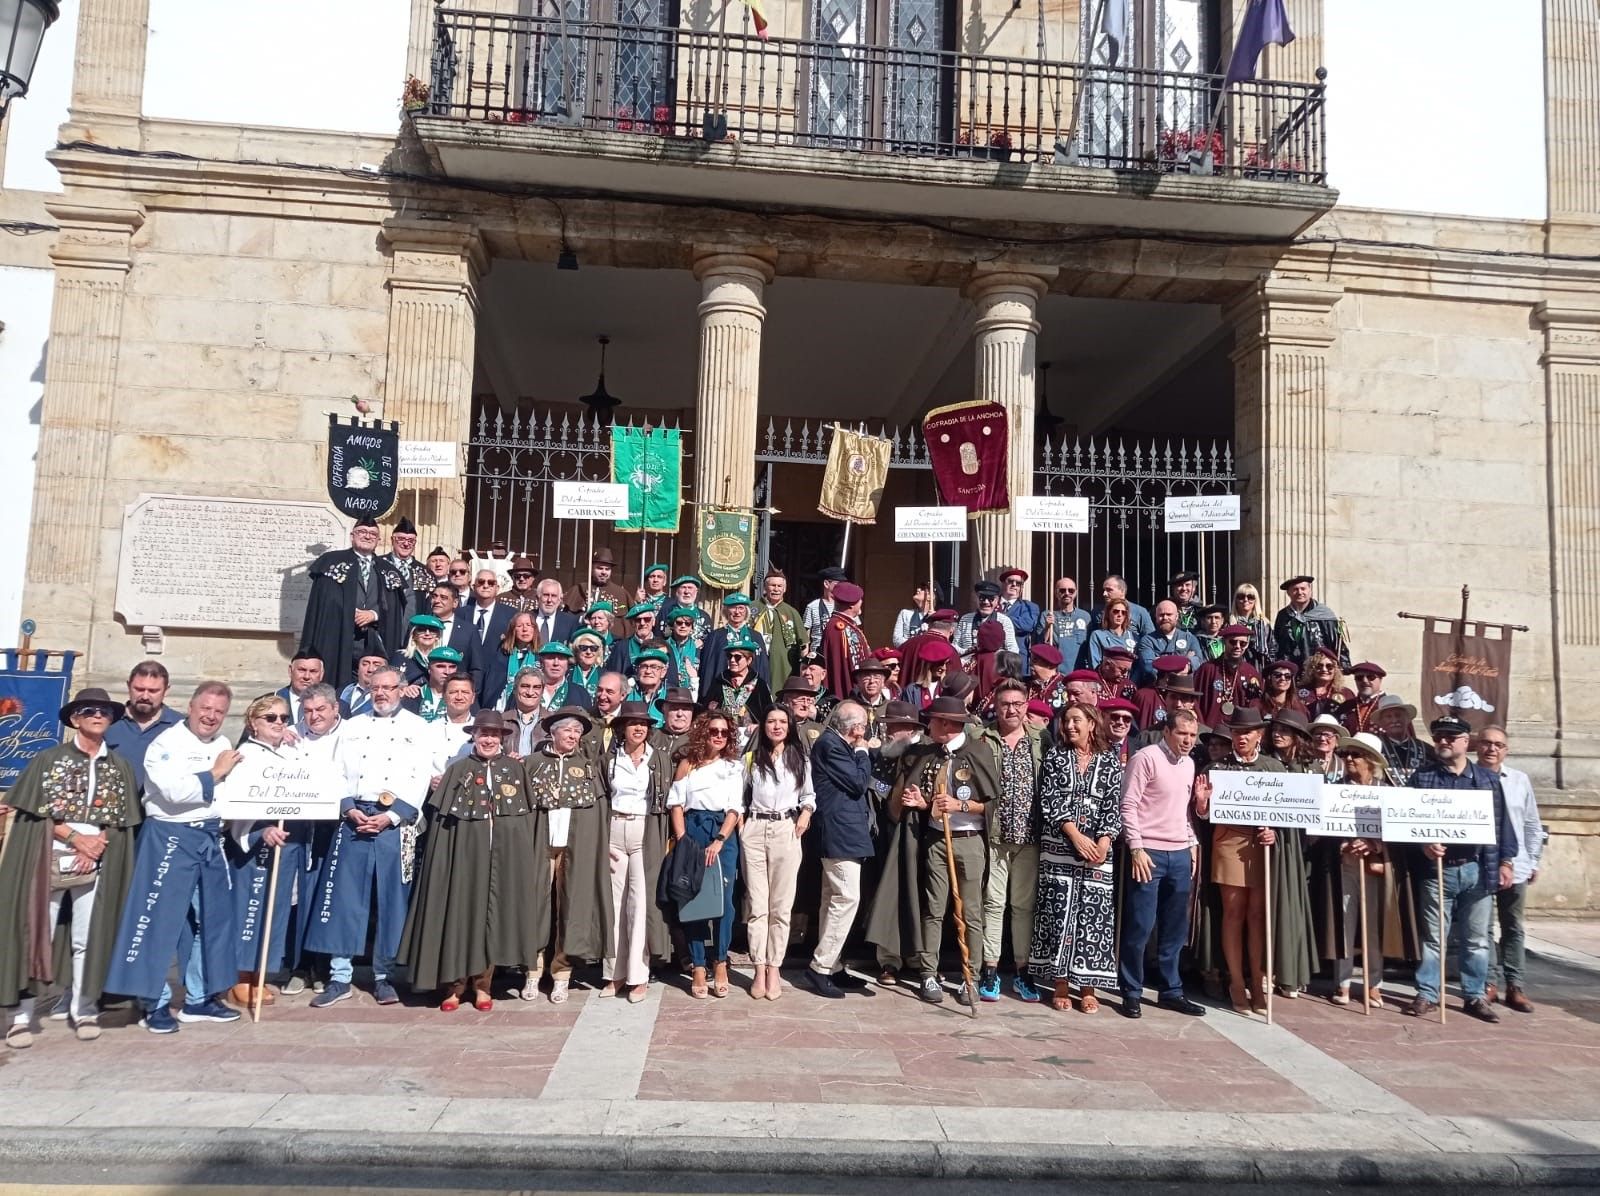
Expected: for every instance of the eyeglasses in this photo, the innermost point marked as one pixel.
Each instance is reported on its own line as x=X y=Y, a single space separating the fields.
x=458 y=573
x=94 y=712
x=273 y=718
x=1489 y=745
x=718 y=733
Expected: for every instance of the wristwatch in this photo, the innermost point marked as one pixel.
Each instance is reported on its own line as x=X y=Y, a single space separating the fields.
x=964 y=804
x=721 y=838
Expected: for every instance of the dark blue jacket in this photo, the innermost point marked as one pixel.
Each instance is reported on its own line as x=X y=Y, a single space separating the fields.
x=128 y=741
x=1434 y=775
x=842 y=778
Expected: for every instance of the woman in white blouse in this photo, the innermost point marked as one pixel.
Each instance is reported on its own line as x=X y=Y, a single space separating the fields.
x=637 y=775
x=779 y=811
x=704 y=804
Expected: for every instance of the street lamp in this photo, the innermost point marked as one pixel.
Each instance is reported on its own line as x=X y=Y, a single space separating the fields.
x=22 y=26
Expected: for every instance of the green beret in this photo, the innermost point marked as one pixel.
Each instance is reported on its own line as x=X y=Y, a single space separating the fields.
x=742 y=642
x=650 y=654
x=736 y=599
x=640 y=608
x=555 y=648
x=429 y=622
x=598 y=606
x=683 y=612
x=655 y=569
x=445 y=654
x=687 y=577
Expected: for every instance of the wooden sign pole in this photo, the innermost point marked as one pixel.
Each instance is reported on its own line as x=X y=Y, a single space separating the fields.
x=1266 y=856
x=1443 y=938
x=1366 y=950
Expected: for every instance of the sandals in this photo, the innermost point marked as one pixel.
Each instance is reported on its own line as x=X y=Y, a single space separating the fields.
x=697 y=984
x=719 y=984
x=482 y=1002
x=450 y=1004
x=1088 y=1002
x=1061 y=999
x=1340 y=996
x=558 y=992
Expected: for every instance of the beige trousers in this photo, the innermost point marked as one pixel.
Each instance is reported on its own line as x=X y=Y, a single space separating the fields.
x=841 y=898
x=770 y=853
x=629 y=904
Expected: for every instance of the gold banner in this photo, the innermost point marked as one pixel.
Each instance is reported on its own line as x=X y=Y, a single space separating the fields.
x=858 y=467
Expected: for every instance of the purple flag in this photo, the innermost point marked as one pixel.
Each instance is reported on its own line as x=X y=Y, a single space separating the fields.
x=1265 y=24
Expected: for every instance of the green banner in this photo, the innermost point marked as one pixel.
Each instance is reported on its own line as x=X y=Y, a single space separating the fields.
x=727 y=548
x=649 y=461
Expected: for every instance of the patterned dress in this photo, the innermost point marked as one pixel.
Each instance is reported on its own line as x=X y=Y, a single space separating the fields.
x=1074 y=921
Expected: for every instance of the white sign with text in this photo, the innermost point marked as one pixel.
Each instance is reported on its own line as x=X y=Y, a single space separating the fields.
x=929 y=524
x=1203 y=513
x=1448 y=816
x=1351 y=812
x=264 y=788
x=1051 y=513
x=429 y=458
x=1270 y=799
x=589 y=500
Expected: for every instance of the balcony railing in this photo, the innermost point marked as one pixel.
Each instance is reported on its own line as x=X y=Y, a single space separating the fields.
x=720 y=86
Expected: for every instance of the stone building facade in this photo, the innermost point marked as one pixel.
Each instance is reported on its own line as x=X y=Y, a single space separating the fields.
x=1414 y=406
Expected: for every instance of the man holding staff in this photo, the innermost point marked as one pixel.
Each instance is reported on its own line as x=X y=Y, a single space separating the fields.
x=1472 y=874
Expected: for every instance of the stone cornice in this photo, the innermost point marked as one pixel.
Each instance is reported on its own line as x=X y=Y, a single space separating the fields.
x=1284 y=312
x=94 y=235
x=1571 y=334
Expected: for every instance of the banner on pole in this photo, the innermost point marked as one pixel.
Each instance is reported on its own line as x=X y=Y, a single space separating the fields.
x=727 y=548
x=1350 y=812
x=1203 y=513
x=1051 y=513
x=852 y=485
x=363 y=466
x=1271 y=799
x=1448 y=816
x=649 y=462
x=30 y=711
x=1466 y=671
x=917 y=525
x=969 y=449
x=588 y=500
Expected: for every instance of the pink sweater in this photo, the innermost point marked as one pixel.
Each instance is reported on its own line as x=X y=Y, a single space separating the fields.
x=1155 y=800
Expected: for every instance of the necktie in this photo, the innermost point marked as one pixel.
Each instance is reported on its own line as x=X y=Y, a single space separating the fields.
x=366 y=568
x=544 y=629
x=481 y=621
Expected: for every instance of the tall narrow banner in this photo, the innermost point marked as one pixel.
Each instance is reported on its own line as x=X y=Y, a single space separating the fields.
x=852 y=485
x=649 y=461
x=30 y=710
x=363 y=466
x=727 y=548
x=968 y=444
x=1466 y=670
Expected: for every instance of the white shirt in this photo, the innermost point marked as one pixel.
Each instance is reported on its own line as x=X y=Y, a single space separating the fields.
x=1523 y=810
x=780 y=793
x=817 y=613
x=174 y=788
x=630 y=783
x=392 y=754
x=450 y=742
x=959 y=821
x=717 y=787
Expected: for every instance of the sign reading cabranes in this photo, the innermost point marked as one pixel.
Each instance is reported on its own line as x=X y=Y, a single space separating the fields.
x=1448 y=816
x=1203 y=513
x=265 y=788
x=1269 y=799
x=589 y=500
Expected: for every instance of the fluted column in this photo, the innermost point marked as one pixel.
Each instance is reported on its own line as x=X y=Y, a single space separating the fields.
x=1572 y=132
x=729 y=376
x=108 y=75
x=1283 y=329
x=1005 y=335
x=434 y=270
x=92 y=255
x=1298 y=61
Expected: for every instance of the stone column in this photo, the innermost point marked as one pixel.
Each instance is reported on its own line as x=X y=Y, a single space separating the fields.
x=1283 y=328
x=434 y=270
x=108 y=76
x=1572 y=133
x=1005 y=335
x=92 y=255
x=1298 y=61
x=729 y=376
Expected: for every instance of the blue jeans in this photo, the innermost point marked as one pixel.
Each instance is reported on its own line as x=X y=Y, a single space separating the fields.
x=1466 y=910
x=1160 y=904
x=194 y=975
x=342 y=968
x=701 y=827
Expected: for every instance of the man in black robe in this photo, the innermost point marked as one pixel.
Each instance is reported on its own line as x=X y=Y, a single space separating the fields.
x=403 y=556
x=357 y=605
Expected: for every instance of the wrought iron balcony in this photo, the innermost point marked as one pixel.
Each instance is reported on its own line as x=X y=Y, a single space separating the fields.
x=716 y=86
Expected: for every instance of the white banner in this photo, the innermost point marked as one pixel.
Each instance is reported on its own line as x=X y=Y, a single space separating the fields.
x=924 y=524
x=264 y=788
x=1351 y=812
x=589 y=500
x=1265 y=799
x=429 y=458
x=1448 y=816
x=1203 y=513
x=1051 y=513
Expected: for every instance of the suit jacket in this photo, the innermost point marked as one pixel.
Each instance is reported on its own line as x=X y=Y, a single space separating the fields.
x=563 y=626
x=458 y=634
x=490 y=674
x=842 y=779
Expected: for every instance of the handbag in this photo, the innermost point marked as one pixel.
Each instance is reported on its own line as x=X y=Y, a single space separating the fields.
x=707 y=904
x=60 y=880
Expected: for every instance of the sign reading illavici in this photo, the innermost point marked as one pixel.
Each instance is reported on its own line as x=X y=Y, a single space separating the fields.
x=232 y=564
x=1351 y=812
x=1270 y=799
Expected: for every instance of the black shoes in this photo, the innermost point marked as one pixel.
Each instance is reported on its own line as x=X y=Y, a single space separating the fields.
x=1182 y=1004
x=1130 y=1008
x=823 y=986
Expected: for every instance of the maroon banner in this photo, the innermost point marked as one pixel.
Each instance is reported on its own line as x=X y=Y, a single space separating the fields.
x=1467 y=671
x=968 y=444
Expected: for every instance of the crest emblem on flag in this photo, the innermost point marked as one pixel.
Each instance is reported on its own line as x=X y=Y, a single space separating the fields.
x=858 y=467
x=968 y=447
x=727 y=548
x=649 y=461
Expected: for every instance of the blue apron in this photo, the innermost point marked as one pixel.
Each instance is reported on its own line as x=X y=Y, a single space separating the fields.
x=299 y=869
x=358 y=865
x=174 y=863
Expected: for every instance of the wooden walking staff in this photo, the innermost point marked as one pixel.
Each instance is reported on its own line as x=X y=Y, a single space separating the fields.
x=955 y=895
x=1444 y=939
x=1266 y=859
x=1366 y=949
x=266 y=934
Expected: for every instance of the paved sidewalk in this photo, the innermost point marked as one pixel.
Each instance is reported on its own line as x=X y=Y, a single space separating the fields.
x=875 y=1084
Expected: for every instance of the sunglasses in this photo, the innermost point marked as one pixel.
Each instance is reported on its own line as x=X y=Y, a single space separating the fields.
x=1066 y=593
x=273 y=718
x=94 y=712
x=486 y=583
x=718 y=733
x=522 y=573
x=458 y=573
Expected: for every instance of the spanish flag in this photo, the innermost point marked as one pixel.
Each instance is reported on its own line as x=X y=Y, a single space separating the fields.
x=758 y=14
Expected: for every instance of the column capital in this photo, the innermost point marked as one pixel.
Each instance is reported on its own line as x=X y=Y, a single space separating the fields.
x=1290 y=312
x=94 y=236
x=1571 y=334
x=758 y=264
x=990 y=277
x=434 y=254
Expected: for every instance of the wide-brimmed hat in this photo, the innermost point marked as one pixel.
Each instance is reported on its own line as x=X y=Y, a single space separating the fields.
x=1364 y=743
x=488 y=720
x=1326 y=722
x=950 y=708
x=797 y=685
x=92 y=697
x=632 y=712
x=523 y=565
x=1244 y=718
x=602 y=556
x=1396 y=702
x=901 y=714
x=1292 y=720
x=678 y=697
x=577 y=712
x=1178 y=683
x=871 y=665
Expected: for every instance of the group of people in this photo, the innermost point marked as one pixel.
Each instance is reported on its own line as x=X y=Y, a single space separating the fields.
x=535 y=776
